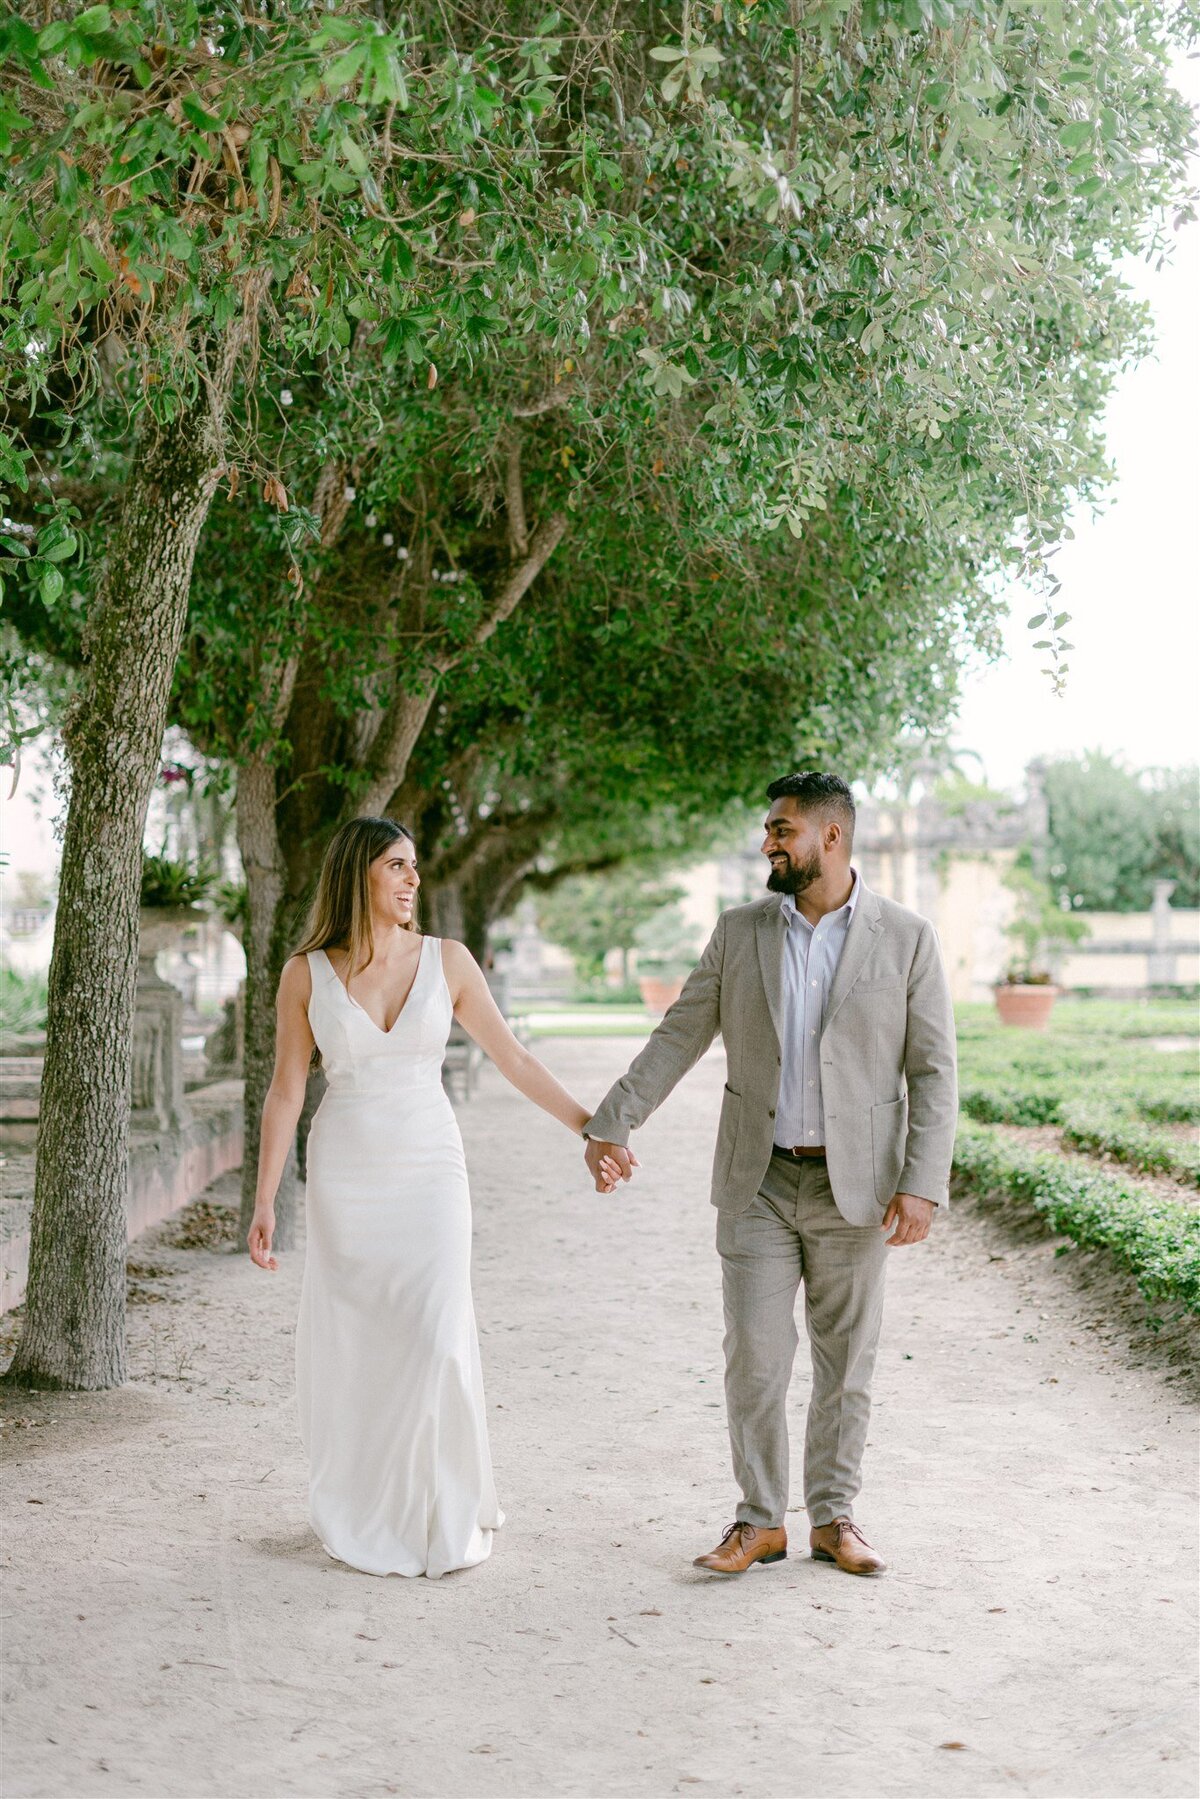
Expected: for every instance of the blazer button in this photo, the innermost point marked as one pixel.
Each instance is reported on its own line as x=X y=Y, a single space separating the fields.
x=771 y=1113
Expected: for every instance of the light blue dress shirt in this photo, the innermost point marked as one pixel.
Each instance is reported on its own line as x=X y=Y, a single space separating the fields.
x=811 y=954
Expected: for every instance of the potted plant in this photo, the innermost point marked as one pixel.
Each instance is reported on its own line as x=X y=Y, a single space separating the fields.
x=169 y=901
x=666 y=955
x=1040 y=930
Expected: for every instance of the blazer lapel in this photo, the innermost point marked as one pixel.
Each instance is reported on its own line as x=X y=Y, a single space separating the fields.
x=772 y=929
x=860 y=938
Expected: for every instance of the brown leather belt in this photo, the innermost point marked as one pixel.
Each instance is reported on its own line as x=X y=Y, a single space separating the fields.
x=781 y=1149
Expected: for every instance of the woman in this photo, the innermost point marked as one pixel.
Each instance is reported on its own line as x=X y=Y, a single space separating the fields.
x=388 y=1377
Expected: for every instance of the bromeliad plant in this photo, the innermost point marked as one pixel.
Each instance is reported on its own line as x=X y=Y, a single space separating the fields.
x=172 y=885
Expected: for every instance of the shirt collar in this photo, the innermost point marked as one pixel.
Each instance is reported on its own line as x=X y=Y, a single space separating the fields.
x=791 y=910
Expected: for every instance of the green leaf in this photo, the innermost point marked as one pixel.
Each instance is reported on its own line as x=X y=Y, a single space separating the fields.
x=353 y=154
x=1039 y=618
x=345 y=68
x=57 y=552
x=1076 y=134
x=51 y=585
x=199 y=115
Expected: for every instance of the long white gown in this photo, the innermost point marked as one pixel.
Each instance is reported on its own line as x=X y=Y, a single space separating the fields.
x=388 y=1379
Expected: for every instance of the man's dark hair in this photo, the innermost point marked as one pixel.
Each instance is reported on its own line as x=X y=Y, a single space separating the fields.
x=813 y=792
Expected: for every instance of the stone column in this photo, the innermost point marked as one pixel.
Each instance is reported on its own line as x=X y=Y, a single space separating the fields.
x=1161 y=970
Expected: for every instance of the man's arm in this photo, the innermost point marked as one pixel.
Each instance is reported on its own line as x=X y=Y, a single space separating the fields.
x=680 y=1040
x=931 y=1070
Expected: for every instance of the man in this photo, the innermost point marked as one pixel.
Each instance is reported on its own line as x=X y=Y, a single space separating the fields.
x=835 y=1139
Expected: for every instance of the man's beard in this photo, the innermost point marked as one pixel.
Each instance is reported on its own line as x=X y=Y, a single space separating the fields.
x=795 y=877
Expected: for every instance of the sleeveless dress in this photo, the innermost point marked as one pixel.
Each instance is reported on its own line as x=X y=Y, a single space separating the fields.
x=389 y=1386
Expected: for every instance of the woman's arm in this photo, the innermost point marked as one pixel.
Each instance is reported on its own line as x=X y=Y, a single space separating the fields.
x=284 y=1102
x=482 y=1018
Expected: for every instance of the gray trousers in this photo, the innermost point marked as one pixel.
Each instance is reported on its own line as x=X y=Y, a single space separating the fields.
x=794 y=1232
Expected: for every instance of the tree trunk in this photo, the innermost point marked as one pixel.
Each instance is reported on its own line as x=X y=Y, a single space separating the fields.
x=441 y=909
x=74 y=1333
x=267 y=943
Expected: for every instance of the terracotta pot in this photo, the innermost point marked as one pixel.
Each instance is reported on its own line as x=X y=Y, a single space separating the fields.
x=1027 y=1004
x=658 y=993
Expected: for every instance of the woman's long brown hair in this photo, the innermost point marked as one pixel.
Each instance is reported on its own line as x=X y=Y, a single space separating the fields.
x=340 y=915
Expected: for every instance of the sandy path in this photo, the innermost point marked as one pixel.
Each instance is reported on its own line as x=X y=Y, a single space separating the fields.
x=174 y=1629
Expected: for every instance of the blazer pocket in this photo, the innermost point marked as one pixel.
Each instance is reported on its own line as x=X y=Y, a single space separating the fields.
x=889 y=1128
x=885 y=984
x=727 y=1130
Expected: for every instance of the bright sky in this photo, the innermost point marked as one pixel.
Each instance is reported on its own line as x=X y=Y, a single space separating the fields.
x=1130 y=578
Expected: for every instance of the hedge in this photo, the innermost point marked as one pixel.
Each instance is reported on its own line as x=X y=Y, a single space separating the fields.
x=1155 y=1239
x=1094 y=1128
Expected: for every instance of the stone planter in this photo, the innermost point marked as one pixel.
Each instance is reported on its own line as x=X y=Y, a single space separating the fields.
x=660 y=991
x=1026 y=1003
x=162 y=927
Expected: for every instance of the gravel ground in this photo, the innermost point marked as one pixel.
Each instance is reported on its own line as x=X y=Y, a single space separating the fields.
x=174 y=1629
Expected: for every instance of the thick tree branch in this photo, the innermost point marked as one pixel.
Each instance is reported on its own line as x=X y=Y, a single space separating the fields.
x=514 y=501
x=553 y=397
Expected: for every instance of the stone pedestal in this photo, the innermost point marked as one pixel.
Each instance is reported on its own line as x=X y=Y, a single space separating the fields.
x=1161 y=970
x=225 y=1045
x=158 y=1101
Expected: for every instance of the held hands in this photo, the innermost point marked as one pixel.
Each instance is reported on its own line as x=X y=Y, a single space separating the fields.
x=262 y=1229
x=608 y=1163
x=911 y=1217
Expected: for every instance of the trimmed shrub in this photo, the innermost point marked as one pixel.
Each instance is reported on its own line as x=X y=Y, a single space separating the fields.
x=1156 y=1239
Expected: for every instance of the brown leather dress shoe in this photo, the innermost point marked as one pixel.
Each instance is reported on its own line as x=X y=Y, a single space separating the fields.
x=842 y=1542
x=742 y=1546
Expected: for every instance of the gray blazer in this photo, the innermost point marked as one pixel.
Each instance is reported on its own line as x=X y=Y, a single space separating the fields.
x=888 y=1075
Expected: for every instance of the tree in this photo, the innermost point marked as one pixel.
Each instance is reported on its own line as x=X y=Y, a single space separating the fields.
x=589 y=915
x=175 y=178
x=1113 y=832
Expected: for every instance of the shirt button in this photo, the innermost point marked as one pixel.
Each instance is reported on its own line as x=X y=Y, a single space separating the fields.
x=812 y=1133
x=812 y=1083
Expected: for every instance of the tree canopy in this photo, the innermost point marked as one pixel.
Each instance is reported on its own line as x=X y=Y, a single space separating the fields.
x=1114 y=831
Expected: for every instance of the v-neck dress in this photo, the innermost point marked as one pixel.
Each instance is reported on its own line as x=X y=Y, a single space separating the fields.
x=388 y=1380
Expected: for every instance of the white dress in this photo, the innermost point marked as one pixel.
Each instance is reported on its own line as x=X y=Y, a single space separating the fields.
x=388 y=1379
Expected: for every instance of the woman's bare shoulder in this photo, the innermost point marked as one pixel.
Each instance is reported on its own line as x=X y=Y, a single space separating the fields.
x=296 y=980
x=456 y=955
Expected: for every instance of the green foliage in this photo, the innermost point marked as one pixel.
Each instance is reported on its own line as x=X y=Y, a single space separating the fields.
x=233 y=902
x=1090 y=1076
x=1092 y=1127
x=1157 y=1240
x=166 y=883
x=1039 y=927
x=855 y=280
x=22 y=1003
x=667 y=945
x=1114 y=832
x=1080 y=1016
x=589 y=915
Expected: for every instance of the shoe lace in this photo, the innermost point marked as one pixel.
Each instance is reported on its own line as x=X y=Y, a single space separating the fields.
x=842 y=1525
x=737 y=1526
